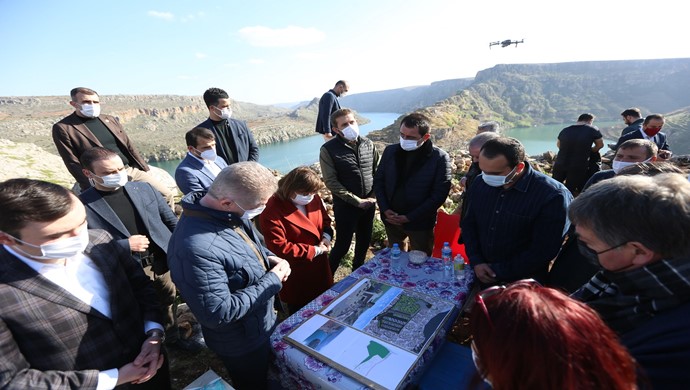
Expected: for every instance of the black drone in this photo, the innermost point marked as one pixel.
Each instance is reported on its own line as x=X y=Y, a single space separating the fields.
x=506 y=43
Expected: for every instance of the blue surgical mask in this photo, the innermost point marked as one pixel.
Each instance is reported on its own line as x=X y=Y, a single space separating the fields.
x=210 y=154
x=498 y=180
x=115 y=180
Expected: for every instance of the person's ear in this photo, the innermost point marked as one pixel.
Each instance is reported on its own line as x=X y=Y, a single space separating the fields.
x=6 y=239
x=653 y=158
x=426 y=137
x=520 y=167
x=86 y=172
x=642 y=255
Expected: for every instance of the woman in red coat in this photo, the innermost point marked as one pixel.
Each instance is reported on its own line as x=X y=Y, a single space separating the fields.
x=297 y=228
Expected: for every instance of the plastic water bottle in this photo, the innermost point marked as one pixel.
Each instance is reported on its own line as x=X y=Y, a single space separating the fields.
x=459 y=267
x=395 y=257
x=447 y=259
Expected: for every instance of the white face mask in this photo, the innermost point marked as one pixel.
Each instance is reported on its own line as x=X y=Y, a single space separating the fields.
x=251 y=213
x=351 y=132
x=302 y=200
x=225 y=113
x=115 y=180
x=62 y=249
x=409 y=145
x=208 y=154
x=618 y=165
x=498 y=180
x=90 y=110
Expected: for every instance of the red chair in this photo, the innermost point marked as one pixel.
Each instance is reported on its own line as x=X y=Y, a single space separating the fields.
x=447 y=229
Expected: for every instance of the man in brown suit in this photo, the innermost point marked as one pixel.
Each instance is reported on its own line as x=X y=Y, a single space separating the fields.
x=86 y=127
x=77 y=311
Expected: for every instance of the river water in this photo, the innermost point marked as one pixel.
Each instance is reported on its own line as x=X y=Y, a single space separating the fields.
x=284 y=156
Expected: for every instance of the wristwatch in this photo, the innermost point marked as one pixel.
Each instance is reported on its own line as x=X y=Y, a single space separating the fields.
x=157 y=333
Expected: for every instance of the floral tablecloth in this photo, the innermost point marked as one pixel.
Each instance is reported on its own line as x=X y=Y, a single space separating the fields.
x=298 y=370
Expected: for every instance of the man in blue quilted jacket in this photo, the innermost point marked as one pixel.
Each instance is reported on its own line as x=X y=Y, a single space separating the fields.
x=225 y=275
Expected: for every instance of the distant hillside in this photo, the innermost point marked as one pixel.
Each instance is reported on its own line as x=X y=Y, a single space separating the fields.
x=534 y=94
x=406 y=99
x=156 y=123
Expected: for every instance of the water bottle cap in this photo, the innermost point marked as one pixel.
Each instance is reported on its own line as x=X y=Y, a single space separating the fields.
x=446 y=243
x=395 y=245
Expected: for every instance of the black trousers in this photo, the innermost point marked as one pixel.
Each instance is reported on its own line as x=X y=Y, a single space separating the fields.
x=249 y=371
x=351 y=220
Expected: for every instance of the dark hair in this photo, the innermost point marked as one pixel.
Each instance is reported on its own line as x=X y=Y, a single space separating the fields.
x=651 y=148
x=299 y=180
x=90 y=156
x=84 y=91
x=586 y=117
x=634 y=111
x=212 y=95
x=28 y=200
x=508 y=147
x=652 y=116
x=543 y=339
x=420 y=121
x=341 y=82
x=339 y=113
x=193 y=135
x=637 y=208
x=651 y=168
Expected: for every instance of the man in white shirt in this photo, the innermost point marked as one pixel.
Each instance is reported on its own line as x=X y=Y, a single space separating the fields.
x=77 y=310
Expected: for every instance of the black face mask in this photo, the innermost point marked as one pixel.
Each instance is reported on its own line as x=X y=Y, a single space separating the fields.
x=588 y=253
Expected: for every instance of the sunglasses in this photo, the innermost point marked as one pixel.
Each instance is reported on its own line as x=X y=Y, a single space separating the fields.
x=495 y=290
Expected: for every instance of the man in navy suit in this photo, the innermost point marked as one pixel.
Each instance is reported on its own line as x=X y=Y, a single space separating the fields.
x=140 y=221
x=651 y=130
x=234 y=141
x=328 y=104
x=201 y=165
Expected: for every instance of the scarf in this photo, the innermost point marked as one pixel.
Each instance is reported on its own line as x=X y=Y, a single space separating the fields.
x=625 y=299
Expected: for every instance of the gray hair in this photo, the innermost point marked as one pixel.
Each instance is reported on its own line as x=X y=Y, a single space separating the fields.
x=489 y=126
x=247 y=182
x=654 y=211
x=480 y=139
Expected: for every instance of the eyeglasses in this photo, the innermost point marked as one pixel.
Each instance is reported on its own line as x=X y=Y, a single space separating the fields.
x=495 y=290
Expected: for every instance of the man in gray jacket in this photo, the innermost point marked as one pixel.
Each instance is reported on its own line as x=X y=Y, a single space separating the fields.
x=225 y=275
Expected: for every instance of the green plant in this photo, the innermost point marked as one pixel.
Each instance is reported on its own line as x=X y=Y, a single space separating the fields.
x=378 y=235
x=346 y=261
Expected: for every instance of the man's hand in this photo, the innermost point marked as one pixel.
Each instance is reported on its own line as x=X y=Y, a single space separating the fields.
x=273 y=260
x=138 y=243
x=145 y=365
x=367 y=203
x=463 y=183
x=485 y=274
x=326 y=243
x=324 y=248
x=282 y=270
x=664 y=154
x=394 y=218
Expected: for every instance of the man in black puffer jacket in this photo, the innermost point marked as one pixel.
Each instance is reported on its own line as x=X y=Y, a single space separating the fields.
x=412 y=183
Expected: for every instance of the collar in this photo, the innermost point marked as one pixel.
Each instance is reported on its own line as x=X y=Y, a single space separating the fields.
x=192 y=200
x=522 y=184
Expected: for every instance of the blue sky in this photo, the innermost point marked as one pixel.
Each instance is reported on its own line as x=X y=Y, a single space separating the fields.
x=285 y=51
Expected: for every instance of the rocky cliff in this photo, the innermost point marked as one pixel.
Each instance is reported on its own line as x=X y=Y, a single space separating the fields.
x=156 y=123
x=535 y=94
